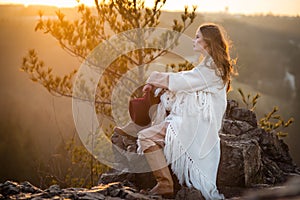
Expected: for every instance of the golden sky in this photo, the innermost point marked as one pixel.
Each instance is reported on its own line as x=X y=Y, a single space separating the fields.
x=279 y=7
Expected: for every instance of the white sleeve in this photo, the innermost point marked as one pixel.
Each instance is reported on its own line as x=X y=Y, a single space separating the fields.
x=199 y=78
x=159 y=79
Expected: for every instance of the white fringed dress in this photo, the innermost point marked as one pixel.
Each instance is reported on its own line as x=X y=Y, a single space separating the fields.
x=192 y=143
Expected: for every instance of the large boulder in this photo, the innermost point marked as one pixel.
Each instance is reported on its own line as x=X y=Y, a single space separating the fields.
x=250 y=155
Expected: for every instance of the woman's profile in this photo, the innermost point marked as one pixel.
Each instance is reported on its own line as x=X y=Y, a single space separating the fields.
x=188 y=137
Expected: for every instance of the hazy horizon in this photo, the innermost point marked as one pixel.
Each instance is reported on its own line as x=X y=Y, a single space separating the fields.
x=276 y=7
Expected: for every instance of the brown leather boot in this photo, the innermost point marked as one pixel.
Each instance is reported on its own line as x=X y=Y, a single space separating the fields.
x=157 y=162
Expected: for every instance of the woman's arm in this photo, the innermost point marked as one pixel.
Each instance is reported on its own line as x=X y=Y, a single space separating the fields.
x=159 y=79
x=201 y=78
x=196 y=79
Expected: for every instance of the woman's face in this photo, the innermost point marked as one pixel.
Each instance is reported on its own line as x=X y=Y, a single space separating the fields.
x=199 y=45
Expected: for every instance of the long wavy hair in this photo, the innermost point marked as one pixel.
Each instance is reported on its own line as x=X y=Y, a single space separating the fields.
x=218 y=49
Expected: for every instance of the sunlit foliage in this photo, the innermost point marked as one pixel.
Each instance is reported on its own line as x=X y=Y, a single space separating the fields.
x=79 y=37
x=272 y=121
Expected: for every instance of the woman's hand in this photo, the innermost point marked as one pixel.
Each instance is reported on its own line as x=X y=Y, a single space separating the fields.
x=147 y=87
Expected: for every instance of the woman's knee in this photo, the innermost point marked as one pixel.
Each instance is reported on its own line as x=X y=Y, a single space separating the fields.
x=142 y=141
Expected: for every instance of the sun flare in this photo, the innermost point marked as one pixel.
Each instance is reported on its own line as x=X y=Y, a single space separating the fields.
x=61 y=3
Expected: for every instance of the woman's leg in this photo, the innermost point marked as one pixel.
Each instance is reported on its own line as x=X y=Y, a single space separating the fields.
x=130 y=129
x=157 y=162
x=151 y=142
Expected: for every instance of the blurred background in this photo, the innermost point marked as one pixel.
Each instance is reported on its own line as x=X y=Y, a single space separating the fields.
x=35 y=125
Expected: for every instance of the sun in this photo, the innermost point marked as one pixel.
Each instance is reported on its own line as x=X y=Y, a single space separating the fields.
x=59 y=3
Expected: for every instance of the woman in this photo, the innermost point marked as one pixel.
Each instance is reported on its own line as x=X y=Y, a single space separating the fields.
x=188 y=137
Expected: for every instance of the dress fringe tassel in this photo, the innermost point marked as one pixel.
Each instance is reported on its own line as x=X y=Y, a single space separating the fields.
x=185 y=169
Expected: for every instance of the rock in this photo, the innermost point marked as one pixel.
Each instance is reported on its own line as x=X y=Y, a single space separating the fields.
x=72 y=193
x=92 y=196
x=241 y=114
x=9 y=188
x=250 y=155
x=54 y=190
x=245 y=115
x=136 y=180
x=123 y=144
x=236 y=127
x=137 y=196
x=290 y=190
x=244 y=167
x=39 y=196
x=116 y=190
x=27 y=187
x=113 y=198
x=115 y=176
x=188 y=194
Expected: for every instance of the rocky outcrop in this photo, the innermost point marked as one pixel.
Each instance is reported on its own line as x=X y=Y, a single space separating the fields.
x=113 y=191
x=122 y=191
x=252 y=160
x=250 y=155
x=110 y=191
x=290 y=190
